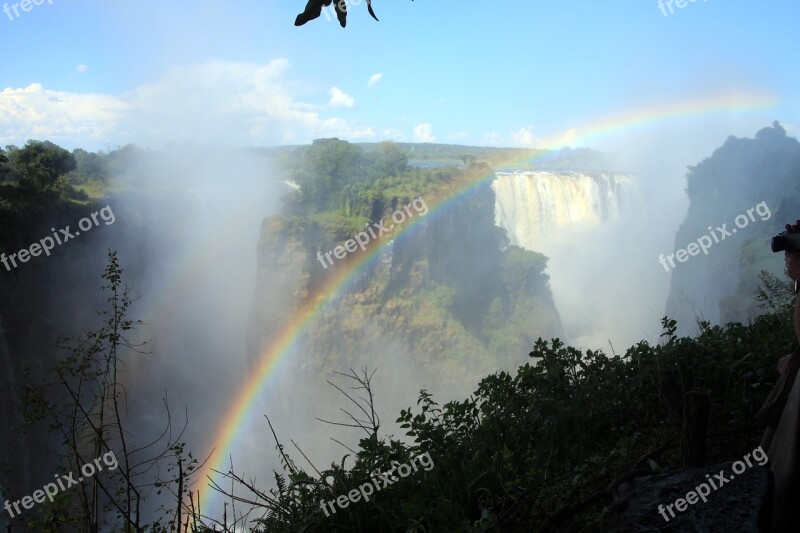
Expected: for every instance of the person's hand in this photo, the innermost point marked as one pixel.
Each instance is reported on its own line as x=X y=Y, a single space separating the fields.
x=792 y=259
x=783 y=363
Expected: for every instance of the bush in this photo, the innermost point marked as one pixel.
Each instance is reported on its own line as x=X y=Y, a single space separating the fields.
x=526 y=446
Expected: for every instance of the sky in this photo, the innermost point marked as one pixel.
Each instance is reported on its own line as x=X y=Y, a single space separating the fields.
x=98 y=74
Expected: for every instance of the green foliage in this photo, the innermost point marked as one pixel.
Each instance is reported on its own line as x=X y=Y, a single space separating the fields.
x=559 y=430
x=41 y=173
x=83 y=403
x=387 y=159
x=340 y=225
x=522 y=268
x=40 y=164
x=93 y=189
x=89 y=166
x=335 y=175
x=5 y=169
x=326 y=167
x=442 y=296
x=468 y=159
x=774 y=294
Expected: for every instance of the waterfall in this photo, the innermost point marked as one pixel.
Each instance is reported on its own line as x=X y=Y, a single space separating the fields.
x=584 y=222
x=533 y=205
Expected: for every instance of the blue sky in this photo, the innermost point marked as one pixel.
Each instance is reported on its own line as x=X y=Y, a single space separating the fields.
x=101 y=73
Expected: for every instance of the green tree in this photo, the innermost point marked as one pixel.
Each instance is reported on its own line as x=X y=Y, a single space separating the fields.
x=91 y=419
x=388 y=160
x=330 y=164
x=41 y=163
x=89 y=165
x=5 y=169
x=468 y=159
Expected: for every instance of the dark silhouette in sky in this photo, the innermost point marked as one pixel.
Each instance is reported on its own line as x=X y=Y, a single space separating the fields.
x=314 y=9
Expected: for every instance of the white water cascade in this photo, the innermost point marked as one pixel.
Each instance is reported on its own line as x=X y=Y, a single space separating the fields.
x=589 y=224
x=535 y=207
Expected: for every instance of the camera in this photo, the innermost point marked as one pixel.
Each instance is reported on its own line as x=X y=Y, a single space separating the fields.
x=786 y=242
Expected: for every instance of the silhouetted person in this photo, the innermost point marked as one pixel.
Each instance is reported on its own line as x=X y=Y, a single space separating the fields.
x=782 y=414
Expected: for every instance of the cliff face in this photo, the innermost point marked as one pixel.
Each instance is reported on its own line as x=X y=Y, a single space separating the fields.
x=751 y=186
x=42 y=301
x=447 y=296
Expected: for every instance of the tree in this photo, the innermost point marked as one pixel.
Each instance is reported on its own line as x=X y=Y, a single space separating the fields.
x=5 y=169
x=90 y=165
x=389 y=160
x=40 y=163
x=330 y=165
x=85 y=403
x=468 y=159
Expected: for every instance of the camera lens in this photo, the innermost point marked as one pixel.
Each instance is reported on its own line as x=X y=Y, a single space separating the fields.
x=779 y=243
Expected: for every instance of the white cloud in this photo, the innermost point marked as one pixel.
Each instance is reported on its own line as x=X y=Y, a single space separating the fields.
x=492 y=138
x=524 y=136
x=220 y=102
x=393 y=135
x=422 y=133
x=304 y=106
x=361 y=135
x=339 y=98
x=82 y=69
x=374 y=79
x=339 y=127
x=568 y=137
x=35 y=113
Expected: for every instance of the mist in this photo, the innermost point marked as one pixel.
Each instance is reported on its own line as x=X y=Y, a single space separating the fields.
x=191 y=269
x=608 y=285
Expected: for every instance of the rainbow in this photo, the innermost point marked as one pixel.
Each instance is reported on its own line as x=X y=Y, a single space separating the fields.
x=294 y=328
x=230 y=430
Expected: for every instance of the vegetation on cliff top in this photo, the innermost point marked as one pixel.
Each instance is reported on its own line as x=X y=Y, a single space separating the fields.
x=451 y=294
